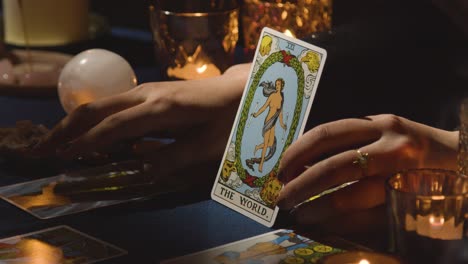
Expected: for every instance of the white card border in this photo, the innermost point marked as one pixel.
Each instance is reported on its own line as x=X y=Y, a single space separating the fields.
x=244 y=94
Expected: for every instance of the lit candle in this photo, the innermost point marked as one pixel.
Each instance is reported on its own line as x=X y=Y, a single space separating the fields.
x=434 y=226
x=46 y=22
x=192 y=71
x=197 y=66
x=359 y=257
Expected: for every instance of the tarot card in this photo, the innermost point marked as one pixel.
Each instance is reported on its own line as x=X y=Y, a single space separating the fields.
x=84 y=190
x=272 y=114
x=277 y=247
x=60 y=244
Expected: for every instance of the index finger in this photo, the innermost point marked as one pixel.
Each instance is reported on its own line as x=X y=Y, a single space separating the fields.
x=84 y=117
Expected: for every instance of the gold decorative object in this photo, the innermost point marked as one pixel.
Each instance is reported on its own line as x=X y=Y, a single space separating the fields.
x=297 y=18
x=362 y=159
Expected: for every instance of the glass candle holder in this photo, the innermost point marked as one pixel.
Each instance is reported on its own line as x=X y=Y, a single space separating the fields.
x=296 y=18
x=428 y=215
x=194 y=39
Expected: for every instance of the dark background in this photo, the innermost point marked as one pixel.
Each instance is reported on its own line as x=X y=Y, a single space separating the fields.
x=402 y=57
x=384 y=56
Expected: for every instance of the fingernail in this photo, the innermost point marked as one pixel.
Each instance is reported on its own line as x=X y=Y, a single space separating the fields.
x=281 y=177
x=283 y=202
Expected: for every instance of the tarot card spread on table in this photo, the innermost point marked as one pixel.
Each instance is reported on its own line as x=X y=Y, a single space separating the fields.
x=272 y=114
x=277 y=247
x=86 y=189
x=60 y=244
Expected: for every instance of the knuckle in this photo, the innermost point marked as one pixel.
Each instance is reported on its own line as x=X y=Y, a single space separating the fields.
x=162 y=101
x=143 y=87
x=137 y=94
x=141 y=92
x=113 y=120
x=328 y=167
x=321 y=132
x=161 y=104
x=148 y=91
x=392 y=122
x=84 y=110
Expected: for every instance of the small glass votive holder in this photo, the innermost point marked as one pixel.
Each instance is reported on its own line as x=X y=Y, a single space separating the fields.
x=428 y=215
x=296 y=18
x=194 y=39
x=359 y=257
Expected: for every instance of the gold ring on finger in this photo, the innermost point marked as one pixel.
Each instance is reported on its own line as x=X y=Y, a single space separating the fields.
x=362 y=160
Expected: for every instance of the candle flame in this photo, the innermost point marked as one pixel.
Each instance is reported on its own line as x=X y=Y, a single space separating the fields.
x=438 y=197
x=436 y=221
x=364 y=261
x=202 y=69
x=287 y=32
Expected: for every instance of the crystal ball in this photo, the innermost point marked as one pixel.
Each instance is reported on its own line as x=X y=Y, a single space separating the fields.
x=91 y=75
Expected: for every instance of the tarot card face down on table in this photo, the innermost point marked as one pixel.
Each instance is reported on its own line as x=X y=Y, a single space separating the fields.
x=272 y=114
x=277 y=247
x=60 y=244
